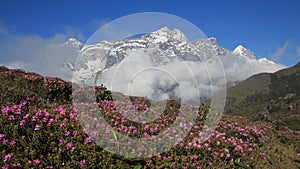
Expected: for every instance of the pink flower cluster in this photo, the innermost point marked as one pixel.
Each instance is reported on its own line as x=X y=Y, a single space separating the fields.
x=38 y=121
x=229 y=142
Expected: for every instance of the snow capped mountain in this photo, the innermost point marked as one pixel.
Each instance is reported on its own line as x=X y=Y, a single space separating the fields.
x=165 y=49
x=241 y=51
x=168 y=45
x=165 y=45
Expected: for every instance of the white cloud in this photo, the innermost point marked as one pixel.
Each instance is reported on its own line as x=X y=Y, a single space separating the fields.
x=187 y=80
x=280 y=51
x=43 y=55
x=37 y=54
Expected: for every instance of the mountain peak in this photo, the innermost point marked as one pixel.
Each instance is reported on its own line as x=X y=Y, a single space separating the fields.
x=240 y=47
x=179 y=35
x=165 y=34
x=212 y=40
x=164 y=29
x=241 y=51
x=74 y=43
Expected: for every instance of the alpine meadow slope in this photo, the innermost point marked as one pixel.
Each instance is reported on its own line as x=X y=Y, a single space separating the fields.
x=40 y=129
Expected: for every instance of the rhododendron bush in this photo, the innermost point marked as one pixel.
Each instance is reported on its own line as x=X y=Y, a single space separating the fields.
x=43 y=130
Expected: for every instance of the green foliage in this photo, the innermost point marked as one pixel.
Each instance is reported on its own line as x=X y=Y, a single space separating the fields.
x=16 y=86
x=102 y=93
x=36 y=141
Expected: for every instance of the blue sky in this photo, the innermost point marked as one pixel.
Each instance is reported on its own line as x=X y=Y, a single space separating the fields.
x=268 y=28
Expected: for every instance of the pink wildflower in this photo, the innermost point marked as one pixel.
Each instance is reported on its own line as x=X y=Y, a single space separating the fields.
x=107 y=131
x=5 y=167
x=37 y=128
x=222 y=155
x=26 y=116
x=83 y=163
x=2 y=136
x=75 y=133
x=34 y=118
x=47 y=114
x=61 y=141
x=88 y=140
x=50 y=122
x=67 y=133
x=12 y=142
x=16 y=166
x=44 y=119
x=22 y=122
x=70 y=145
x=37 y=161
x=11 y=117
x=8 y=157
x=146 y=127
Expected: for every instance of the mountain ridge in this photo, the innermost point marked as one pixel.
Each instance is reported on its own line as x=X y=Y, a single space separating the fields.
x=166 y=48
x=164 y=36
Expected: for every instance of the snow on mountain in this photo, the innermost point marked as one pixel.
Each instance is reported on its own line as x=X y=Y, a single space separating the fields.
x=164 y=35
x=265 y=61
x=172 y=44
x=72 y=42
x=166 y=46
x=209 y=50
x=169 y=50
x=241 y=51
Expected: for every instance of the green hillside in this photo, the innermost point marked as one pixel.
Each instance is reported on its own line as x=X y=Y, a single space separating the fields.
x=270 y=97
x=40 y=128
